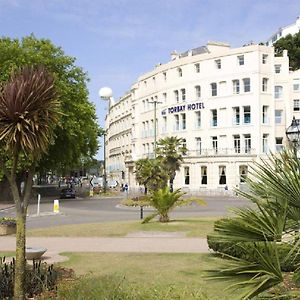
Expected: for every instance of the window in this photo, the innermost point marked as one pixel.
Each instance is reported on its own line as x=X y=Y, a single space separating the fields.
x=296 y=105
x=183 y=121
x=236 y=115
x=179 y=72
x=214 y=140
x=214 y=118
x=176 y=94
x=241 y=60
x=198 y=145
x=144 y=104
x=243 y=171
x=222 y=175
x=296 y=85
x=247 y=140
x=197 y=68
x=184 y=147
x=153 y=79
x=145 y=83
x=203 y=175
x=278 y=92
x=265 y=84
x=264 y=58
x=247 y=85
x=265 y=114
x=278 y=116
x=265 y=143
x=198 y=91
x=218 y=63
x=198 y=119
x=236 y=86
x=247 y=114
x=186 y=175
x=165 y=76
x=279 y=144
x=277 y=69
x=176 y=122
x=164 y=127
x=183 y=97
x=213 y=89
x=237 y=143
x=164 y=97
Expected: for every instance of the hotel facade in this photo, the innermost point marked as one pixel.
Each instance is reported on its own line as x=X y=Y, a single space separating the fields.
x=231 y=107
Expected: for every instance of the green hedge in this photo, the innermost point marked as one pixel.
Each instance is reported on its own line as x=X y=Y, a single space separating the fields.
x=246 y=251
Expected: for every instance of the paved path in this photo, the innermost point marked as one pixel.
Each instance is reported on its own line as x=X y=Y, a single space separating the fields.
x=56 y=245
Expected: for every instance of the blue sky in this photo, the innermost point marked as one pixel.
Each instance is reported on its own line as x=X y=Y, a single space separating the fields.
x=115 y=41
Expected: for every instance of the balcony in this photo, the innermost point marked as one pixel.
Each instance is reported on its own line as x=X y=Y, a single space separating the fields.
x=221 y=152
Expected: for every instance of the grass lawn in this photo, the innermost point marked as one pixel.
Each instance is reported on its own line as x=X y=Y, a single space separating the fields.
x=178 y=272
x=194 y=227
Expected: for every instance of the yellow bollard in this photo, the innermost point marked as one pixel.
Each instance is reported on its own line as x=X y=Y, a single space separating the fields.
x=56 y=206
x=91 y=193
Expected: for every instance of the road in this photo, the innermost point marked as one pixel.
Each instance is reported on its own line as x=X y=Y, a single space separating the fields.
x=96 y=210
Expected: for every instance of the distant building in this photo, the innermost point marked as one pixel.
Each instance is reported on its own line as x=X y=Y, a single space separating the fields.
x=230 y=106
x=284 y=31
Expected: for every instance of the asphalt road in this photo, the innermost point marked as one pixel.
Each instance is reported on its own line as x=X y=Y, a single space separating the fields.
x=96 y=210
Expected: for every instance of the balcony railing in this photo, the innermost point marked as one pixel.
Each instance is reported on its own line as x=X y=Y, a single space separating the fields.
x=221 y=152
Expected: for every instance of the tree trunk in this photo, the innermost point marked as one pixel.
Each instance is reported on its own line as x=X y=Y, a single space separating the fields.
x=171 y=185
x=164 y=218
x=19 y=287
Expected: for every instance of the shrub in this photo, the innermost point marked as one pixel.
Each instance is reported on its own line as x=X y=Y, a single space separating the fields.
x=246 y=251
x=136 y=201
x=8 y=221
x=40 y=277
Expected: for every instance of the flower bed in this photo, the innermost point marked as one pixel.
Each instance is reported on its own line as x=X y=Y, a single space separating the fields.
x=7 y=226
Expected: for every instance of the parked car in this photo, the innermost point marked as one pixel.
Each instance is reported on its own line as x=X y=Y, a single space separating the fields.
x=67 y=193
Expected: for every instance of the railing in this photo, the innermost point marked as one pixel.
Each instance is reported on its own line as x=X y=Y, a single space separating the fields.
x=221 y=152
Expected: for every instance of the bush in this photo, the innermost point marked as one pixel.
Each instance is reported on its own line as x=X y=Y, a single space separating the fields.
x=136 y=201
x=246 y=251
x=40 y=277
x=8 y=221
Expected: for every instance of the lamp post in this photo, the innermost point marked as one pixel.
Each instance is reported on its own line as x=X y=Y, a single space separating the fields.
x=105 y=94
x=155 y=102
x=293 y=134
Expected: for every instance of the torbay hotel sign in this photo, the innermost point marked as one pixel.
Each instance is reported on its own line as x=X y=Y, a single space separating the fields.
x=182 y=108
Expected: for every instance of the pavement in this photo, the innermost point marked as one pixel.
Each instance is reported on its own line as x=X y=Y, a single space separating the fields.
x=4 y=206
x=151 y=243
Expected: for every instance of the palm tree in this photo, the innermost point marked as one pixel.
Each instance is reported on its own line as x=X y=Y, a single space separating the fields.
x=170 y=151
x=274 y=188
x=28 y=113
x=163 y=200
x=150 y=174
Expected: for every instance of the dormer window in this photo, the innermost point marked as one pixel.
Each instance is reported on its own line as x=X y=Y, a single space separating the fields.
x=218 y=63
x=179 y=71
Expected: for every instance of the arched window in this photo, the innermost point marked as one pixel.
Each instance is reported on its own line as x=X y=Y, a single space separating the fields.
x=179 y=70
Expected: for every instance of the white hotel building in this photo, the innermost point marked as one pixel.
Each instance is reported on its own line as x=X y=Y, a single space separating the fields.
x=231 y=107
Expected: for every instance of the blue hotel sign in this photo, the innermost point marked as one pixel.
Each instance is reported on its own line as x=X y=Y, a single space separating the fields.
x=182 y=108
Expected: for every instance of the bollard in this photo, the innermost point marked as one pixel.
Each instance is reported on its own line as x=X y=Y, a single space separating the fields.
x=142 y=212
x=56 y=206
x=38 y=204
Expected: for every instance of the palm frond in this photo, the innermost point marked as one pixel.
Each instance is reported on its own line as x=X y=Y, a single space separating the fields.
x=252 y=278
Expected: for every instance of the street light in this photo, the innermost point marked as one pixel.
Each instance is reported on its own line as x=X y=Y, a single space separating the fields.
x=293 y=134
x=105 y=94
x=155 y=102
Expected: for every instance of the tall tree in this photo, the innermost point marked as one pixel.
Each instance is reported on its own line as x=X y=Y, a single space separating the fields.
x=292 y=44
x=76 y=137
x=29 y=112
x=150 y=174
x=170 y=151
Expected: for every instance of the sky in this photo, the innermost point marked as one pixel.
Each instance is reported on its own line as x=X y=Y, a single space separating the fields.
x=116 y=41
